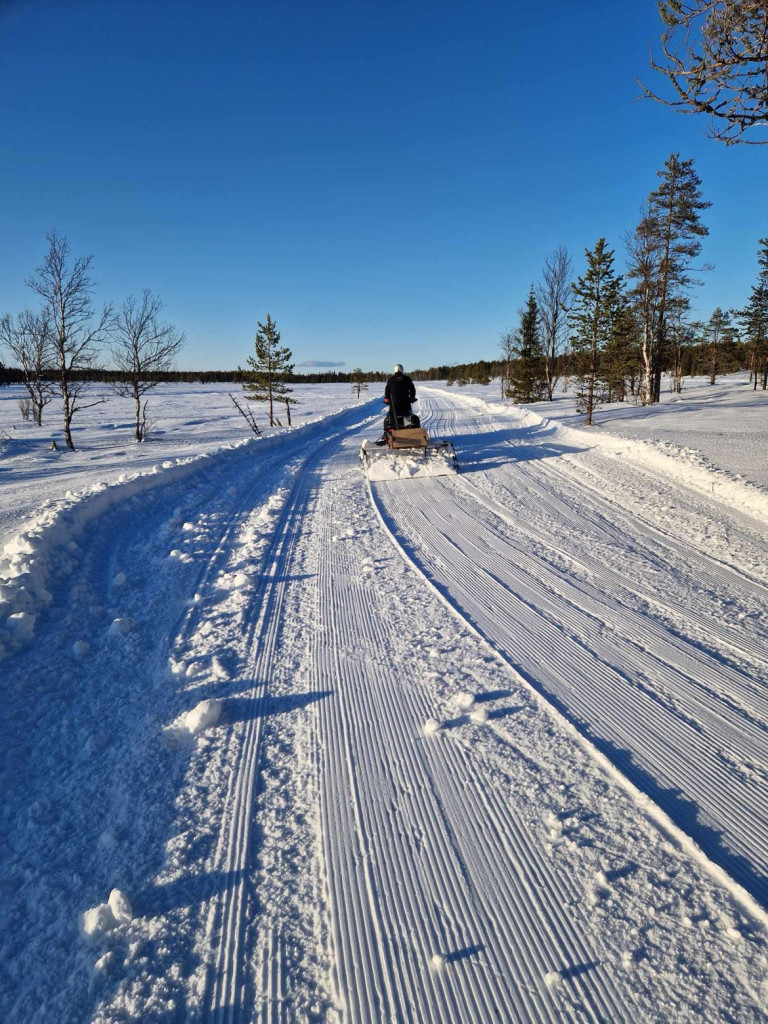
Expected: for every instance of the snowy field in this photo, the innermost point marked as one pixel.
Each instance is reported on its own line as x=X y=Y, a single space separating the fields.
x=186 y=420
x=280 y=744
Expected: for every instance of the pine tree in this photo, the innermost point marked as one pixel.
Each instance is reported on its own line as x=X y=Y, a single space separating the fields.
x=266 y=379
x=358 y=382
x=754 y=320
x=664 y=245
x=527 y=378
x=717 y=332
x=596 y=301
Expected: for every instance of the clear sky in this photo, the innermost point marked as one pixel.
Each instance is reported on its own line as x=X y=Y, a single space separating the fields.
x=384 y=178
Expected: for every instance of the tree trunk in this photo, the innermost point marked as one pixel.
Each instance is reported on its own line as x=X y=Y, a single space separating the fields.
x=137 y=405
x=67 y=414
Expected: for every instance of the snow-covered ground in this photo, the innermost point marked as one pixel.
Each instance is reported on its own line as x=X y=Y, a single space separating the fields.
x=279 y=744
x=186 y=420
x=721 y=426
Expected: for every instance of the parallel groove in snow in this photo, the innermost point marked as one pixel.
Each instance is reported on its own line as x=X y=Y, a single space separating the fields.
x=370 y=733
x=228 y=983
x=511 y=595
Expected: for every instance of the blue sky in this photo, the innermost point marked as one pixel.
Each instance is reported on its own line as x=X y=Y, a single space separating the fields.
x=385 y=179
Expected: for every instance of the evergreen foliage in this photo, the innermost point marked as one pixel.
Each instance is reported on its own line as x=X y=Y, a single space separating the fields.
x=267 y=379
x=661 y=251
x=719 y=335
x=527 y=375
x=358 y=381
x=620 y=357
x=754 y=320
x=594 y=315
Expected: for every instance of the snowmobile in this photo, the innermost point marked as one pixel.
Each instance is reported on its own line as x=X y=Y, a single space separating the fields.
x=406 y=451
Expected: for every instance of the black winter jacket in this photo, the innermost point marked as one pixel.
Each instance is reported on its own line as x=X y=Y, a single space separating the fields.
x=401 y=392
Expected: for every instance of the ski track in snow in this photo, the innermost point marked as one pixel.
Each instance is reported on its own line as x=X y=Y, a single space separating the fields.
x=317 y=854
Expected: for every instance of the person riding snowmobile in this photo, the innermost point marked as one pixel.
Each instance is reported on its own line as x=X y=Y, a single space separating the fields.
x=399 y=395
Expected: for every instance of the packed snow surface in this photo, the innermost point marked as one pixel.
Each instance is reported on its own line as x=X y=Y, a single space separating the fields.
x=281 y=742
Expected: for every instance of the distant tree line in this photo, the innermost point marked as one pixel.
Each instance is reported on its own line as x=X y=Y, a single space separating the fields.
x=105 y=375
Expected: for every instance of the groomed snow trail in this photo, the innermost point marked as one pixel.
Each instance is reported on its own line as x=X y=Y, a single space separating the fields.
x=319 y=852
x=637 y=606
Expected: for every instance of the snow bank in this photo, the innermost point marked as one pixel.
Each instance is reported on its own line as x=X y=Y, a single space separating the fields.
x=48 y=542
x=684 y=465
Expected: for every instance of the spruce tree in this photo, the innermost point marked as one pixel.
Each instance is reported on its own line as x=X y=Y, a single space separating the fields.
x=266 y=381
x=527 y=379
x=754 y=320
x=619 y=361
x=593 y=314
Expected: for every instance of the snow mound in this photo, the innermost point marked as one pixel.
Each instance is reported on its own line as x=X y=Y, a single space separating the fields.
x=382 y=464
x=106 y=916
x=97 y=921
x=206 y=714
x=120 y=626
x=120 y=905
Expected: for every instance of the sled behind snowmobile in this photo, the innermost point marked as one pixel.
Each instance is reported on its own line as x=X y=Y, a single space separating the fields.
x=408 y=453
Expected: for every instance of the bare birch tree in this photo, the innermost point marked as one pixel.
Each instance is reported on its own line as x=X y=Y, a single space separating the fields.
x=28 y=339
x=507 y=346
x=77 y=332
x=143 y=347
x=554 y=295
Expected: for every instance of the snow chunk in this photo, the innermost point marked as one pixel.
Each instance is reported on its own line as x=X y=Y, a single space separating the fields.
x=106 y=916
x=97 y=921
x=465 y=701
x=431 y=726
x=22 y=624
x=437 y=962
x=479 y=716
x=80 y=648
x=120 y=905
x=121 y=625
x=553 y=980
x=207 y=713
